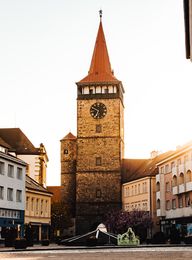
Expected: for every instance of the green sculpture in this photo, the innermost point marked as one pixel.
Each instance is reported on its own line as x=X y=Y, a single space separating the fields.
x=128 y=239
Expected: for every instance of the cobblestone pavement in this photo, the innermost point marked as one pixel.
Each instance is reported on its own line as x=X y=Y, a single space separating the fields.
x=156 y=253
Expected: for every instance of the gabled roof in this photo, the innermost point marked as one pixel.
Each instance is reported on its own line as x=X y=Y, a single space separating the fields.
x=17 y=141
x=3 y=143
x=100 y=68
x=133 y=169
x=69 y=136
x=32 y=185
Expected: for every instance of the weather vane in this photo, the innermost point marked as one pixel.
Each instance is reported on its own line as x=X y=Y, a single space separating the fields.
x=100 y=14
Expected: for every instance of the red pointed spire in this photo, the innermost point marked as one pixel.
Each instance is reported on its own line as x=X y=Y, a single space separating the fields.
x=100 y=68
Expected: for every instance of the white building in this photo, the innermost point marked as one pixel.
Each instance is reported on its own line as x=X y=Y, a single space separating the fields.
x=12 y=189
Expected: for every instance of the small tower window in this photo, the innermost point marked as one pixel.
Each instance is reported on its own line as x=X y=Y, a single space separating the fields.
x=98 y=193
x=106 y=91
x=98 y=161
x=98 y=128
x=65 y=151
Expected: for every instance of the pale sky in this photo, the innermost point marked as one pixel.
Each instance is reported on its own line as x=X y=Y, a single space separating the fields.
x=46 y=46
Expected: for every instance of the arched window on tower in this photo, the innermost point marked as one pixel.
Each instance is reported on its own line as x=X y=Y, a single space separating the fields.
x=65 y=151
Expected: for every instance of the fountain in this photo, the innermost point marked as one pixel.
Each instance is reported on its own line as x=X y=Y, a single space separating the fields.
x=128 y=239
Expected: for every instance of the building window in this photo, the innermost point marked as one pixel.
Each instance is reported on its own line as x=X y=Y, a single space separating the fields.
x=167 y=186
x=10 y=170
x=188 y=176
x=90 y=91
x=2 y=168
x=98 y=128
x=178 y=162
x=186 y=158
x=18 y=195
x=106 y=91
x=144 y=187
x=135 y=189
x=1 y=192
x=37 y=206
x=162 y=169
x=98 y=161
x=158 y=186
x=174 y=183
x=167 y=204
x=46 y=206
x=98 y=193
x=180 y=202
x=145 y=206
x=65 y=151
x=132 y=191
x=158 y=204
x=172 y=165
x=173 y=203
x=32 y=204
x=139 y=189
x=27 y=203
x=19 y=173
x=187 y=200
x=42 y=207
x=166 y=168
x=181 y=178
x=9 y=194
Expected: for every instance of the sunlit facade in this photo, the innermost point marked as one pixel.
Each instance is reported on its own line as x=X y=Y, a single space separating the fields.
x=174 y=191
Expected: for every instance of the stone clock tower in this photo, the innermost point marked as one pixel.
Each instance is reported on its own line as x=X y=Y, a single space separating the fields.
x=100 y=140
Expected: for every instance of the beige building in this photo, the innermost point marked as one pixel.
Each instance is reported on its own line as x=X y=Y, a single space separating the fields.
x=174 y=191
x=38 y=209
x=139 y=186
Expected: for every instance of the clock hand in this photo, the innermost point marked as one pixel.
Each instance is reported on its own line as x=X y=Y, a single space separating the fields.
x=95 y=109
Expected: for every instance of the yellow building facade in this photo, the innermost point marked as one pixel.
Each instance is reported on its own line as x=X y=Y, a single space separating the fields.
x=38 y=209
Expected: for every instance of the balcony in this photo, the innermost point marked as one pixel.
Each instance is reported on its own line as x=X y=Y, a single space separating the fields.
x=175 y=190
x=174 y=171
x=182 y=188
x=188 y=186
x=181 y=168
x=160 y=213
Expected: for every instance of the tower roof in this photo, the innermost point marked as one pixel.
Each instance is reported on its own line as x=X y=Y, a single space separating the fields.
x=100 y=68
x=69 y=136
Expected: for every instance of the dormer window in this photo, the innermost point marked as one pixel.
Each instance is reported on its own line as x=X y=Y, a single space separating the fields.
x=2 y=149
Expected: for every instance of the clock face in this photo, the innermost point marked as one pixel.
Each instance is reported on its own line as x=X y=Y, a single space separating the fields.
x=98 y=110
